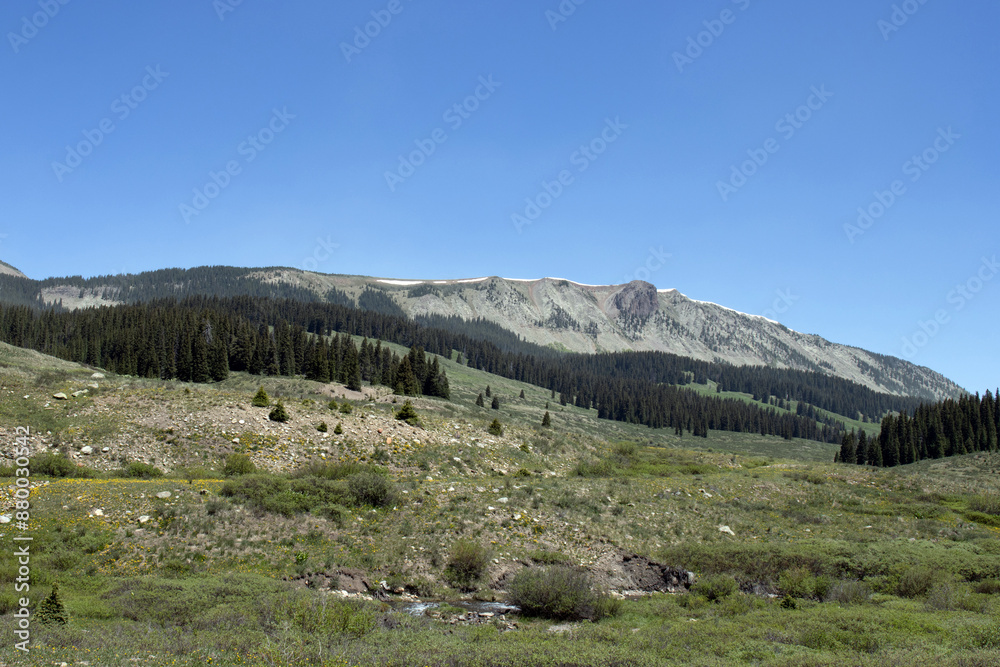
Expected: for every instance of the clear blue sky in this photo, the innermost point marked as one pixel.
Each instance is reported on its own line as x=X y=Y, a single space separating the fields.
x=184 y=86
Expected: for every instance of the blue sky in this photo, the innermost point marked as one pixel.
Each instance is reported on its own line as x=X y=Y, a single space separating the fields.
x=718 y=147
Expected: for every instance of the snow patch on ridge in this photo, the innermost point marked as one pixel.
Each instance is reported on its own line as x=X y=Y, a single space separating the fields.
x=400 y=282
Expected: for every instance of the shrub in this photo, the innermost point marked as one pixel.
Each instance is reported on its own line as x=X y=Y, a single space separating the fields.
x=987 y=637
x=370 y=488
x=338 y=429
x=332 y=405
x=141 y=470
x=716 y=587
x=54 y=465
x=467 y=563
x=546 y=420
x=985 y=504
x=279 y=414
x=849 y=592
x=560 y=593
x=408 y=414
x=495 y=428
x=988 y=587
x=322 y=427
x=261 y=399
x=801 y=583
x=238 y=464
x=544 y=557
x=346 y=408
x=915 y=582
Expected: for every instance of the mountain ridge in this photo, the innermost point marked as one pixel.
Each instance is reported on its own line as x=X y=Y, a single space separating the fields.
x=558 y=313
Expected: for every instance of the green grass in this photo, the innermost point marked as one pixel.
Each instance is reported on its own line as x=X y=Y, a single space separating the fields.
x=203 y=579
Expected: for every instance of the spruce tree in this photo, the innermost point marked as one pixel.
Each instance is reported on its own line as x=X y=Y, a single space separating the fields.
x=547 y=420
x=51 y=610
x=522 y=394
x=261 y=399
x=496 y=428
x=495 y=404
x=279 y=414
x=488 y=391
x=479 y=400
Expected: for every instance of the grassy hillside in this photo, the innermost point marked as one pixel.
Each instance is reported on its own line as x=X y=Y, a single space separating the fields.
x=797 y=560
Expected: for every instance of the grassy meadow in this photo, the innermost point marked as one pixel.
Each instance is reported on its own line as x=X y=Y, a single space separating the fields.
x=797 y=560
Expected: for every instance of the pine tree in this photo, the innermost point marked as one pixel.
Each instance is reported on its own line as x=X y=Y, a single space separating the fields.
x=51 y=610
x=495 y=404
x=522 y=394
x=547 y=420
x=408 y=414
x=279 y=414
x=488 y=391
x=479 y=400
x=261 y=399
x=496 y=428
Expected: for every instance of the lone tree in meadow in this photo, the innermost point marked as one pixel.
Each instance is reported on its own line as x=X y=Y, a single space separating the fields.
x=51 y=610
x=547 y=420
x=522 y=394
x=279 y=414
x=408 y=414
x=261 y=399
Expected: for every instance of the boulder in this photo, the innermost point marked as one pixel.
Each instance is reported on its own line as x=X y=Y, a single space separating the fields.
x=87 y=450
x=60 y=396
x=163 y=495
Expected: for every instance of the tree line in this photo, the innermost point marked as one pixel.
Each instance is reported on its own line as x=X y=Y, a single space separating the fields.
x=932 y=431
x=201 y=339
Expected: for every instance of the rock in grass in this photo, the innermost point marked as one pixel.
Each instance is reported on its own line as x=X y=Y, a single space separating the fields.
x=60 y=396
x=163 y=494
x=727 y=530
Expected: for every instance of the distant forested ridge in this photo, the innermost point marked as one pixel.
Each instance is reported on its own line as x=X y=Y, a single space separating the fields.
x=202 y=338
x=949 y=428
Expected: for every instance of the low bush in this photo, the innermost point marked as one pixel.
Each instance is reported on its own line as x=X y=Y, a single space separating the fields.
x=849 y=592
x=715 y=588
x=467 y=564
x=54 y=465
x=238 y=464
x=801 y=583
x=138 y=470
x=495 y=428
x=915 y=582
x=368 y=488
x=986 y=504
x=560 y=593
